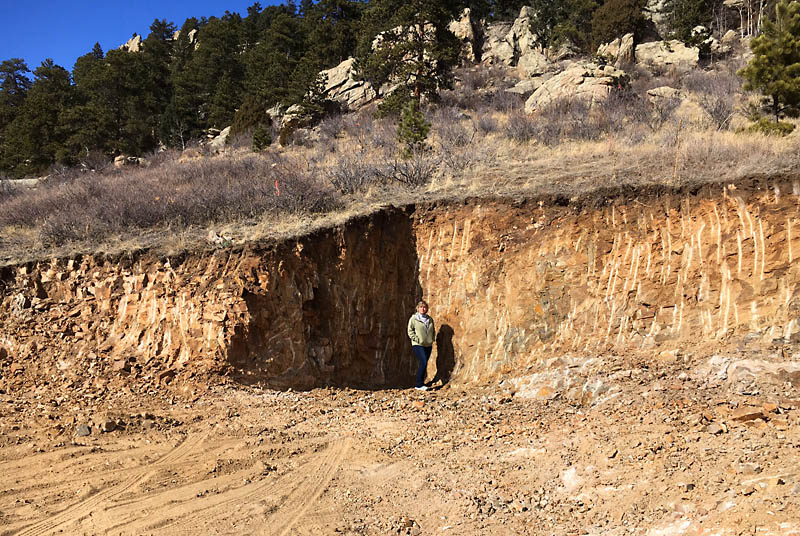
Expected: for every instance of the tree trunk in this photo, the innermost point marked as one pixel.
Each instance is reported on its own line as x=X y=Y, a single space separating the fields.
x=776 y=108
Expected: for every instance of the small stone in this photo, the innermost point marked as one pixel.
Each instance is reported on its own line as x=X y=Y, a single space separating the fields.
x=148 y=424
x=749 y=490
x=716 y=428
x=747 y=414
x=83 y=430
x=769 y=407
x=748 y=468
x=108 y=426
x=121 y=365
x=418 y=404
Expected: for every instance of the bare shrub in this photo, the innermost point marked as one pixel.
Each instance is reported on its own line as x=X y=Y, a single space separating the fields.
x=93 y=206
x=165 y=156
x=662 y=110
x=486 y=123
x=240 y=140
x=462 y=98
x=447 y=122
x=382 y=135
x=718 y=91
x=332 y=126
x=481 y=76
x=506 y=102
x=354 y=173
x=415 y=171
x=520 y=127
x=670 y=134
x=475 y=78
x=572 y=118
x=370 y=132
x=94 y=161
x=560 y=120
x=642 y=80
x=720 y=108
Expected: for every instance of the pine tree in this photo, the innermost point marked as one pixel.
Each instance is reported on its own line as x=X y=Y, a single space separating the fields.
x=35 y=138
x=223 y=103
x=91 y=118
x=616 y=18
x=684 y=15
x=332 y=29
x=181 y=120
x=774 y=70
x=214 y=71
x=413 y=129
x=156 y=55
x=415 y=48
x=14 y=85
x=575 y=29
x=271 y=64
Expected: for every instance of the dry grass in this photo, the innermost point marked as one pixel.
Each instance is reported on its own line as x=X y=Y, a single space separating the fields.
x=354 y=168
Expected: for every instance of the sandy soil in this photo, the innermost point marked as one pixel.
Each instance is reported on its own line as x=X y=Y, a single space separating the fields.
x=664 y=451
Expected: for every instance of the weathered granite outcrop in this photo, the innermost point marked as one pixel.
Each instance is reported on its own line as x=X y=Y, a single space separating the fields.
x=464 y=29
x=134 y=44
x=619 y=52
x=666 y=56
x=343 y=86
x=515 y=45
x=587 y=81
x=656 y=12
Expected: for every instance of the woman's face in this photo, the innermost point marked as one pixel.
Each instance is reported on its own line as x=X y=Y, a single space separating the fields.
x=422 y=309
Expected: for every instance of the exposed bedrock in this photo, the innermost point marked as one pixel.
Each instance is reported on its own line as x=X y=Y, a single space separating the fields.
x=510 y=284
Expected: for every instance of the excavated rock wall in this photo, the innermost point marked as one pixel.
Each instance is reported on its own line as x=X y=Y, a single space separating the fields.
x=327 y=309
x=515 y=285
x=511 y=284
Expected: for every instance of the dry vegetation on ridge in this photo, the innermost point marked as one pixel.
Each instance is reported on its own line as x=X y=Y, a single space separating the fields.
x=481 y=144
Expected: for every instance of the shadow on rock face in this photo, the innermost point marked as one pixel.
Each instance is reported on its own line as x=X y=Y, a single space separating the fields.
x=445 y=354
x=330 y=309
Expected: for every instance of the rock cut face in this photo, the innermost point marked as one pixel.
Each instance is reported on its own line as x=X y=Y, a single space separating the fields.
x=510 y=285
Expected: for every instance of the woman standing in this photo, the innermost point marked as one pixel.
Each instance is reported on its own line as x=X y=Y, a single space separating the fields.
x=422 y=334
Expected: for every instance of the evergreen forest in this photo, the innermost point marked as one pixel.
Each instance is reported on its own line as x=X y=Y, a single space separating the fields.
x=209 y=73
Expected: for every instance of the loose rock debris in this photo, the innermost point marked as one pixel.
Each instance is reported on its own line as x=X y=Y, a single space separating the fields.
x=664 y=456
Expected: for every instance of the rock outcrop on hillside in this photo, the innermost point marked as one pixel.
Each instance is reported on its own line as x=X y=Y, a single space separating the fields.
x=217 y=143
x=343 y=86
x=580 y=80
x=619 y=52
x=515 y=45
x=464 y=29
x=134 y=44
x=667 y=56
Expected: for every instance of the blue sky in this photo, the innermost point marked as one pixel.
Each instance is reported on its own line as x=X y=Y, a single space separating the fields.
x=65 y=29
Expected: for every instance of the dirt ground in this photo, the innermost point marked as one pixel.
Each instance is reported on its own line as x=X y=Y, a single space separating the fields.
x=666 y=447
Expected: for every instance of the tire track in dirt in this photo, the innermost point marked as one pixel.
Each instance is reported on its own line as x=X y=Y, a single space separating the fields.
x=87 y=506
x=306 y=483
x=310 y=488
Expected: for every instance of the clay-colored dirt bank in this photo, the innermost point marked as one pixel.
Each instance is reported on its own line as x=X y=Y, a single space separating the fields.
x=510 y=284
x=614 y=365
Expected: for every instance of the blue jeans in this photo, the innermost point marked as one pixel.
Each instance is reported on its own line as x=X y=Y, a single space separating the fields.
x=422 y=353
